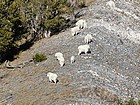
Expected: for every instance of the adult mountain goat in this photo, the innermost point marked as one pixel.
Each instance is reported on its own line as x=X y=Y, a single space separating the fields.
x=52 y=77
x=83 y=48
x=81 y=24
x=88 y=38
x=75 y=31
x=61 y=61
x=60 y=58
x=58 y=55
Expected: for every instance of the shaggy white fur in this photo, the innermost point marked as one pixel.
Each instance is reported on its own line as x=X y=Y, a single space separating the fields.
x=75 y=31
x=58 y=55
x=60 y=58
x=83 y=48
x=52 y=77
x=81 y=24
x=61 y=61
x=88 y=38
x=72 y=59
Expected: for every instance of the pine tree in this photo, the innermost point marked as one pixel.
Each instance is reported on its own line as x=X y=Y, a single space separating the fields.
x=11 y=28
x=29 y=19
x=42 y=15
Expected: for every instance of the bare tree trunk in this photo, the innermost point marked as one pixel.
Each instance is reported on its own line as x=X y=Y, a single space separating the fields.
x=73 y=3
x=21 y=65
x=47 y=33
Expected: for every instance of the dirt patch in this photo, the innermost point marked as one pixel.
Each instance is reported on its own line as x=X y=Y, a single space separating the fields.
x=89 y=2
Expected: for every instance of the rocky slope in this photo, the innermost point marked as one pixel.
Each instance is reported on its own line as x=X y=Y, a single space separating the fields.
x=110 y=72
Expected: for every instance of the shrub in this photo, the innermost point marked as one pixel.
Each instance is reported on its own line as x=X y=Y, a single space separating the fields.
x=131 y=101
x=38 y=57
x=81 y=4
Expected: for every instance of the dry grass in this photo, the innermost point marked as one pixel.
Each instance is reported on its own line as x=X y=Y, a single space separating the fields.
x=106 y=95
x=89 y=2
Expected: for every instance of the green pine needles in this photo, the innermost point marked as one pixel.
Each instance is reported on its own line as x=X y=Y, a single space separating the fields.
x=38 y=57
x=28 y=20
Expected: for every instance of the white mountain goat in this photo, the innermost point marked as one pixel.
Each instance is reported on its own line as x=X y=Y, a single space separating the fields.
x=58 y=55
x=81 y=24
x=72 y=59
x=61 y=61
x=52 y=77
x=83 y=48
x=111 y=4
x=75 y=31
x=88 y=38
x=60 y=58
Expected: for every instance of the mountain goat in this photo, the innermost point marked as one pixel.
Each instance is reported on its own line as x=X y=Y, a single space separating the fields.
x=60 y=58
x=88 y=38
x=75 y=30
x=111 y=4
x=52 y=77
x=61 y=61
x=58 y=55
x=81 y=24
x=83 y=48
x=72 y=59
